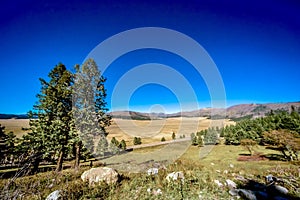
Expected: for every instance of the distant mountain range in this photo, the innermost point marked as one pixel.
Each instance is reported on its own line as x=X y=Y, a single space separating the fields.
x=13 y=116
x=236 y=112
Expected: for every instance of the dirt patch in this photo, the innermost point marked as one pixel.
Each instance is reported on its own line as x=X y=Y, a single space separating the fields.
x=257 y=157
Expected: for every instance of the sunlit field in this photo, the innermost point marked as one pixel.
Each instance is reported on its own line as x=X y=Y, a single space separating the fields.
x=153 y=131
x=15 y=125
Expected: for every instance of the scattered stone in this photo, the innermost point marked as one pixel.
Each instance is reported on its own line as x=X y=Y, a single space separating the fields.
x=218 y=183
x=54 y=195
x=152 y=171
x=231 y=166
x=277 y=190
x=247 y=194
x=95 y=175
x=225 y=171
x=154 y=192
x=270 y=179
x=212 y=164
x=157 y=192
x=218 y=171
x=230 y=184
x=175 y=176
x=233 y=192
x=241 y=178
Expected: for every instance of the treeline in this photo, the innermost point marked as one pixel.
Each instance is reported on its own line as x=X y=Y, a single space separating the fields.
x=280 y=129
x=206 y=137
x=69 y=118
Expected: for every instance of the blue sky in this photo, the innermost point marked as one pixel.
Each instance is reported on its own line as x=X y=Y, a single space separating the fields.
x=254 y=44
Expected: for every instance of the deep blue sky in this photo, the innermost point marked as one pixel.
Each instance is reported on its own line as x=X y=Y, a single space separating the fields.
x=255 y=45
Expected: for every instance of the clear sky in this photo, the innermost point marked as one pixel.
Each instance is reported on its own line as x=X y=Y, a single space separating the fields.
x=254 y=44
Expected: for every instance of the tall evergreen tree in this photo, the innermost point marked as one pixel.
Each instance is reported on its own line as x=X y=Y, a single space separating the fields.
x=90 y=109
x=51 y=119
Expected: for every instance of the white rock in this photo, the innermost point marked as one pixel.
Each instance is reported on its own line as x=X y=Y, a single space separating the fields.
x=218 y=171
x=152 y=171
x=157 y=192
x=99 y=174
x=54 y=195
x=225 y=171
x=231 y=166
x=175 y=176
x=212 y=163
x=230 y=184
x=218 y=183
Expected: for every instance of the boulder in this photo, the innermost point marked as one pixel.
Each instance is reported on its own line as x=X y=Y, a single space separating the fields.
x=247 y=194
x=99 y=174
x=230 y=184
x=54 y=195
x=277 y=190
x=175 y=176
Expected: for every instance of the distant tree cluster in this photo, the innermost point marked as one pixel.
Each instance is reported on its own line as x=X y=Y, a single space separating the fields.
x=254 y=129
x=116 y=146
x=69 y=115
x=204 y=137
x=281 y=130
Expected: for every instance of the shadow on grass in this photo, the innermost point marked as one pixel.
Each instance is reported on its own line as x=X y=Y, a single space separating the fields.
x=244 y=154
x=276 y=157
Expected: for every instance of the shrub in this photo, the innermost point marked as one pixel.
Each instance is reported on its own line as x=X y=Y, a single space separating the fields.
x=137 y=140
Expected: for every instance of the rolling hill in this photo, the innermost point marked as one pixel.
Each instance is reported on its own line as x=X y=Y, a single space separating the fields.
x=235 y=112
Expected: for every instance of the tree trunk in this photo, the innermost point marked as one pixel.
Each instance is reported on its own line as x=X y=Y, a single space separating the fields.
x=36 y=164
x=77 y=155
x=60 y=160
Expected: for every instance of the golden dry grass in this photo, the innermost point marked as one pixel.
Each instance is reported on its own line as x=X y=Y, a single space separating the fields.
x=15 y=125
x=153 y=130
x=149 y=130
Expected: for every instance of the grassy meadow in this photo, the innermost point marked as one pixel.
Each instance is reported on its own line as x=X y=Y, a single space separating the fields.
x=220 y=164
x=201 y=167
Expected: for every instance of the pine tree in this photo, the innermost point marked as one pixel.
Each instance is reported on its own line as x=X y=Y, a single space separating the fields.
x=90 y=111
x=114 y=145
x=102 y=146
x=173 y=136
x=51 y=118
x=122 y=145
